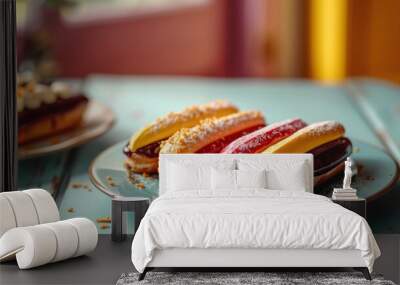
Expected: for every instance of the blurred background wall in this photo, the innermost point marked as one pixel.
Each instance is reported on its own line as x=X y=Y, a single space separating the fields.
x=326 y=40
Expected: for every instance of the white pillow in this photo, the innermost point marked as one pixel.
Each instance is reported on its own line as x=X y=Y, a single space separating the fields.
x=189 y=174
x=187 y=177
x=295 y=179
x=251 y=178
x=223 y=179
x=285 y=175
x=226 y=179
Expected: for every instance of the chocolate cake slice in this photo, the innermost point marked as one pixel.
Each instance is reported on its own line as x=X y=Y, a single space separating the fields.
x=46 y=110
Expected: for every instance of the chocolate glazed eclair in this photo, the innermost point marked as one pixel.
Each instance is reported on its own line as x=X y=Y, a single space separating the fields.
x=326 y=141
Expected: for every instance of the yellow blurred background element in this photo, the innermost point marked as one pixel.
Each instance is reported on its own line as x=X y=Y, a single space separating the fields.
x=328 y=23
x=354 y=38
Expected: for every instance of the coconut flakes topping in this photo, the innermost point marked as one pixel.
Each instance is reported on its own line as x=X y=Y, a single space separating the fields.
x=320 y=128
x=189 y=136
x=189 y=113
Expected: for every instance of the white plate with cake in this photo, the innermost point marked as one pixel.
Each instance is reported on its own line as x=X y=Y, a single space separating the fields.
x=55 y=117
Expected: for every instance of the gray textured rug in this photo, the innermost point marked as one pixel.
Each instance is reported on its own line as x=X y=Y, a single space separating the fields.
x=230 y=278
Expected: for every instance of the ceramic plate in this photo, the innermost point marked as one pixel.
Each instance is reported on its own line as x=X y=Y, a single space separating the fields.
x=377 y=172
x=98 y=119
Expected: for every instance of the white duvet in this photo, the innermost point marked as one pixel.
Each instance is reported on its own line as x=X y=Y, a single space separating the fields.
x=250 y=219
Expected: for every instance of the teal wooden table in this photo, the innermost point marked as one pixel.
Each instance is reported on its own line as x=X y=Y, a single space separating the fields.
x=370 y=111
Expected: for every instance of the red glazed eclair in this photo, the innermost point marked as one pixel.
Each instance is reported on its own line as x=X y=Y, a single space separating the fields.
x=261 y=139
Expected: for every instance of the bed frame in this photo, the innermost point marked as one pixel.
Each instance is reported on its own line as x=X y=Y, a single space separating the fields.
x=260 y=259
x=245 y=259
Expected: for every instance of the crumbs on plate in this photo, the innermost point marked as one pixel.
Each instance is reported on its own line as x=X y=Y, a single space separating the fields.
x=362 y=173
x=103 y=220
x=136 y=179
x=139 y=185
x=132 y=179
x=111 y=181
x=77 y=185
x=104 y=226
x=369 y=178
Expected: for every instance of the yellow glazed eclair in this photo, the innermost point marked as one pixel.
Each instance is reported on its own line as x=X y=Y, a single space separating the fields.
x=143 y=148
x=308 y=138
x=166 y=126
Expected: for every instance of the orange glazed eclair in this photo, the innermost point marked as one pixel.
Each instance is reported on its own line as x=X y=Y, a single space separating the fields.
x=212 y=135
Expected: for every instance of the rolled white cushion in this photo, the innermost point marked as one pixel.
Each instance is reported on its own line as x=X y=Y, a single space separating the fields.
x=87 y=235
x=33 y=246
x=66 y=238
x=37 y=245
x=7 y=218
x=46 y=208
x=23 y=208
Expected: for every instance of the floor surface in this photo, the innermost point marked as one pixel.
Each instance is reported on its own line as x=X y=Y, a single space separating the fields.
x=110 y=260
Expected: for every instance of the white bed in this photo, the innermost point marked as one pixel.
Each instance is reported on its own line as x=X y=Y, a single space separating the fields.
x=249 y=227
